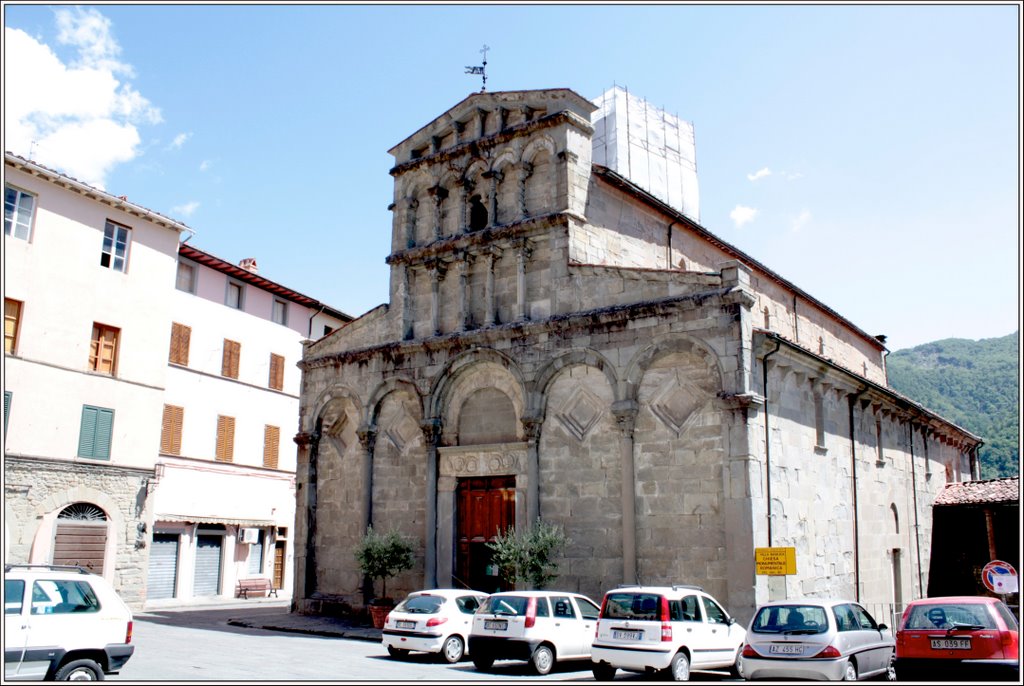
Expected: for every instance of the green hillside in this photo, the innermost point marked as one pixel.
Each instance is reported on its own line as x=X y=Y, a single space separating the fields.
x=974 y=384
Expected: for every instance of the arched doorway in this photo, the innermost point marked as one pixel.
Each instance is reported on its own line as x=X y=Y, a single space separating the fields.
x=80 y=538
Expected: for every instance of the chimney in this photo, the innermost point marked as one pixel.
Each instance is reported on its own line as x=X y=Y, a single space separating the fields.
x=249 y=264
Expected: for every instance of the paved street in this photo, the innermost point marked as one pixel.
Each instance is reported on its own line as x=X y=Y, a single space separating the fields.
x=201 y=645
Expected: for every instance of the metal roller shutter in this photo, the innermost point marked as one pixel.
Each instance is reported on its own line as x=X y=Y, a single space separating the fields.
x=163 y=567
x=208 y=555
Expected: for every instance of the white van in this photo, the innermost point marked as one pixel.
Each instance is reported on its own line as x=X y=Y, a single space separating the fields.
x=62 y=623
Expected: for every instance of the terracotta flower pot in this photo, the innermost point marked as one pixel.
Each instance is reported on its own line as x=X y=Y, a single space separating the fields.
x=379 y=613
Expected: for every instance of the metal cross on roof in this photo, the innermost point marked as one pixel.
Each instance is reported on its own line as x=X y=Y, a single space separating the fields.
x=482 y=71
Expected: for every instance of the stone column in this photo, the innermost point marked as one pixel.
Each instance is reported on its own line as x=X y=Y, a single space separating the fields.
x=492 y=200
x=492 y=254
x=431 y=432
x=525 y=169
x=410 y=222
x=439 y=194
x=305 y=550
x=465 y=192
x=463 y=267
x=521 y=256
x=437 y=273
x=625 y=412
x=367 y=439
x=532 y=427
x=407 y=321
x=445 y=529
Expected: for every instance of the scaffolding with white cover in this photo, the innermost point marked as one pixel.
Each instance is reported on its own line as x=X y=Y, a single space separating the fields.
x=653 y=149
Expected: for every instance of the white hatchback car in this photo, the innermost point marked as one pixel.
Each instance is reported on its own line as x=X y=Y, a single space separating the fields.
x=541 y=627
x=666 y=629
x=62 y=623
x=434 y=621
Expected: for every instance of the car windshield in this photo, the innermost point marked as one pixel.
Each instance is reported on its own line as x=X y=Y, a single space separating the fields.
x=949 y=616
x=505 y=605
x=790 y=619
x=635 y=606
x=421 y=604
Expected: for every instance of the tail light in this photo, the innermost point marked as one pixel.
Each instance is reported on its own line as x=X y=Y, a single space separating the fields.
x=387 y=617
x=436 y=621
x=748 y=651
x=1009 y=641
x=830 y=651
x=666 y=628
x=128 y=633
x=531 y=612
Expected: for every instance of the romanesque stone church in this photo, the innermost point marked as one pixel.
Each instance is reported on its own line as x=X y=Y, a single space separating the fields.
x=564 y=342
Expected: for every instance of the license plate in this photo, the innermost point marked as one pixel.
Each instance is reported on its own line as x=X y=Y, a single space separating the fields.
x=951 y=644
x=786 y=649
x=627 y=635
x=496 y=624
x=401 y=624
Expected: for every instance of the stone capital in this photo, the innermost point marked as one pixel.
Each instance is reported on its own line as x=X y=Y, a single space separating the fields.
x=367 y=435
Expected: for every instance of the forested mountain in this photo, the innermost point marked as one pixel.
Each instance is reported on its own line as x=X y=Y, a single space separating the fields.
x=974 y=384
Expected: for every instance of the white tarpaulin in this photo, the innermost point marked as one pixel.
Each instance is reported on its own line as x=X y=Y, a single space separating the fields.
x=651 y=148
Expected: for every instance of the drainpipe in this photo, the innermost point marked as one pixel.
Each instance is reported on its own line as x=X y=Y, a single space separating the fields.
x=856 y=524
x=668 y=242
x=309 y=331
x=767 y=438
x=917 y=523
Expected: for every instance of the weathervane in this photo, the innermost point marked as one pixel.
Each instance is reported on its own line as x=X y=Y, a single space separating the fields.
x=482 y=71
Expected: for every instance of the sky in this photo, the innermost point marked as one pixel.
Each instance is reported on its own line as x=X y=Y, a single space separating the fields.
x=868 y=153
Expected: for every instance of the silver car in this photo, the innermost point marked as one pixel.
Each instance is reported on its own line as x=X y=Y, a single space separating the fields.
x=816 y=638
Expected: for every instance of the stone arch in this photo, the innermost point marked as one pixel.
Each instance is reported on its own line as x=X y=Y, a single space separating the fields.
x=335 y=392
x=540 y=185
x=666 y=345
x=537 y=398
x=507 y=205
x=469 y=372
x=389 y=386
x=49 y=509
x=477 y=196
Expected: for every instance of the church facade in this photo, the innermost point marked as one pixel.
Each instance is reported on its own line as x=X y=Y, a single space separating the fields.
x=562 y=345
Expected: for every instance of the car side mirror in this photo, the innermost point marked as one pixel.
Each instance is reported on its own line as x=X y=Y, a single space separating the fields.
x=883 y=627
x=732 y=620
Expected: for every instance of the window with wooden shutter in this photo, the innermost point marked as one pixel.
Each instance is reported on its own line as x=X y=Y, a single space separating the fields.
x=97 y=426
x=103 y=349
x=181 y=337
x=271 y=445
x=170 y=435
x=276 y=372
x=225 y=438
x=229 y=364
x=12 y=320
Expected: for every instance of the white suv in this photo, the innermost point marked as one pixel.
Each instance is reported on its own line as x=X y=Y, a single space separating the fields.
x=540 y=627
x=667 y=629
x=62 y=623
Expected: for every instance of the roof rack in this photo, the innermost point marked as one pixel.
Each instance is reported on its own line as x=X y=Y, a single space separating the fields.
x=8 y=566
x=676 y=587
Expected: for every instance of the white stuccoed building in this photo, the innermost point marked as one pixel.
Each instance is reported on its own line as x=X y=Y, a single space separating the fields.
x=150 y=396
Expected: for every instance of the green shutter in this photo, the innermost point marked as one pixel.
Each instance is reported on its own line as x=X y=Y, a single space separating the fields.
x=97 y=427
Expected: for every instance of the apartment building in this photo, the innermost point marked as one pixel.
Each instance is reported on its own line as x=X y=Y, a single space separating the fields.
x=150 y=393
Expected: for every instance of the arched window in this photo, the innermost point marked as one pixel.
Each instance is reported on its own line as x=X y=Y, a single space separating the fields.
x=895 y=517
x=767 y=318
x=477 y=214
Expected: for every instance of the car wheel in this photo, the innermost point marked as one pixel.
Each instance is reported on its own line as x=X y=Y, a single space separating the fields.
x=602 y=671
x=483 y=662
x=542 y=660
x=453 y=649
x=80 y=670
x=679 y=669
x=890 y=669
x=397 y=652
x=850 y=672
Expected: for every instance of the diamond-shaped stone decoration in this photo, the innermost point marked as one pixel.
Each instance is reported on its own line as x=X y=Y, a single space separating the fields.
x=580 y=412
x=335 y=432
x=401 y=433
x=675 y=402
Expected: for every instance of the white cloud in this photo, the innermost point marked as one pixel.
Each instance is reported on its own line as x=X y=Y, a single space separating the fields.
x=760 y=174
x=742 y=215
x=79 y=117
x=179 y=141
x=204 y=165
x=793 y=176
x=187 y=210
x=801 y=221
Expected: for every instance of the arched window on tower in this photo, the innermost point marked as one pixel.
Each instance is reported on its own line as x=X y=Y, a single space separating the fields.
x=767 y=318
x=477 y=214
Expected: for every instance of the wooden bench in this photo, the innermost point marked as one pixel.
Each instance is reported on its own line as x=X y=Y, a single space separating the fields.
x=259 y=585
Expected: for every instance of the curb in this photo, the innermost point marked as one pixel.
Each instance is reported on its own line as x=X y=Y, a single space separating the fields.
x=357 y=635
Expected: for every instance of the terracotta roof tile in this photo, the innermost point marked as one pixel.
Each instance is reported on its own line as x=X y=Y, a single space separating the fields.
x=978 y=492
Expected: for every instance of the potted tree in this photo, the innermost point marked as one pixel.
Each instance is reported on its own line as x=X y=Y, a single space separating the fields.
x=382 y=556
x=528 y=556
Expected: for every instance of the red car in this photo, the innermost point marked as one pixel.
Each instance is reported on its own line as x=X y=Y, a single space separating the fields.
x=957 y=637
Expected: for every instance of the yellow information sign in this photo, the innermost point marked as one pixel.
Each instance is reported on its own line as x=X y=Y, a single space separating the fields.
x=775 y=561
